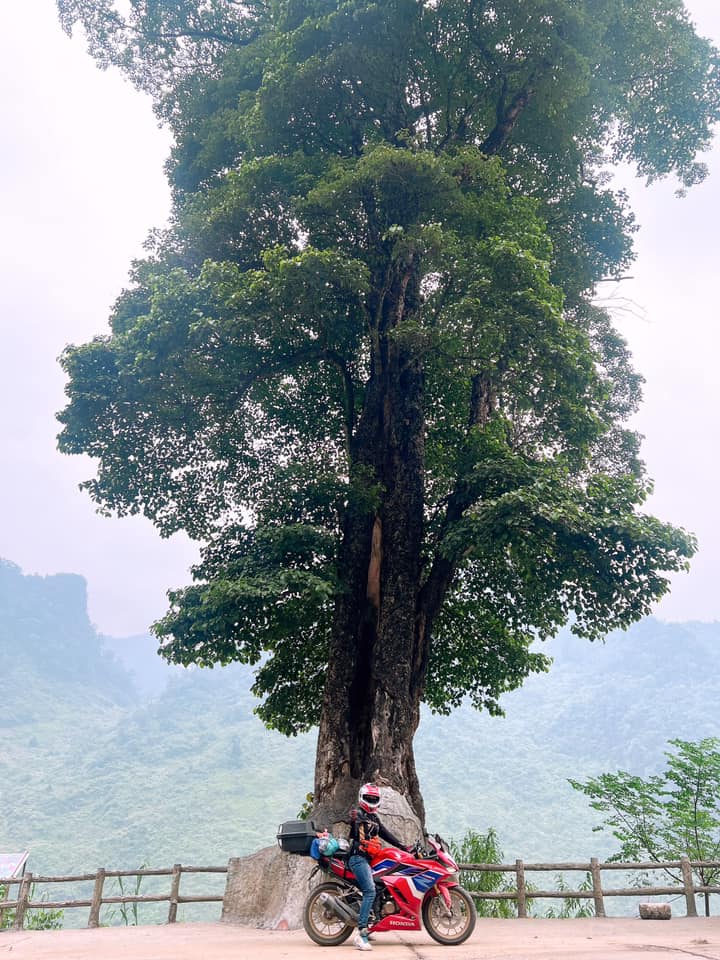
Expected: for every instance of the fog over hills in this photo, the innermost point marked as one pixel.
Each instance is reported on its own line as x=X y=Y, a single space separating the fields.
x=110 y=757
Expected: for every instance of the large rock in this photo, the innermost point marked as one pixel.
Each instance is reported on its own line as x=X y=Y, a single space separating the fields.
x=267 y=889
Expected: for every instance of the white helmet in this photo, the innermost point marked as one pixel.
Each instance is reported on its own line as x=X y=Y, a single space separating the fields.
x=369 y=797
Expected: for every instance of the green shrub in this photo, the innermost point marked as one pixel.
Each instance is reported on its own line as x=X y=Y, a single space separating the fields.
x=36 y=919
x=484 y=848
x=572 y=907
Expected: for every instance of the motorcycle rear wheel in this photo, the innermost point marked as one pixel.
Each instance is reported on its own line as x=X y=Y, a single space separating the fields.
x=453 y=927
x=319 y=921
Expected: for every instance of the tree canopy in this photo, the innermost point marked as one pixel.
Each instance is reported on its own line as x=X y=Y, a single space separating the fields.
x=364 y=365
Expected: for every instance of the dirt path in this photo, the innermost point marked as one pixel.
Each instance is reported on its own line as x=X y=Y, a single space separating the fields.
x=592 y=939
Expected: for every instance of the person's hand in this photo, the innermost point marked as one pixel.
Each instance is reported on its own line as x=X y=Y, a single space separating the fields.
x=371 y=846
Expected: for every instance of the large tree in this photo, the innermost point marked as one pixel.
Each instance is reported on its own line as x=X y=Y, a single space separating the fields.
x=364 y=366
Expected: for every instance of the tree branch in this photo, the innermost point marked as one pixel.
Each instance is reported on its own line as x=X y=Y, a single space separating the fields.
x=337 y=361
x=197 y=34
x=508 y=117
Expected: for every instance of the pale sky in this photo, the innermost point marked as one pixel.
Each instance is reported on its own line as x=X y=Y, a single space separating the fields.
x=81 y=184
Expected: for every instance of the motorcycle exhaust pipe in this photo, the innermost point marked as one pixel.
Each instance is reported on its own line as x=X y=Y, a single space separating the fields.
x=339 y=908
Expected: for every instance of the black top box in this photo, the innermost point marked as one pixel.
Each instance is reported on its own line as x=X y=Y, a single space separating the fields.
x=295 y=836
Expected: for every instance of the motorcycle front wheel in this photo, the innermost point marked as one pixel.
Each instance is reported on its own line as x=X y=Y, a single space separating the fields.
x=321 y=924
x=452 y=926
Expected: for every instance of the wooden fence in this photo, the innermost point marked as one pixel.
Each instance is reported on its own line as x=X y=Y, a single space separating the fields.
x=29 y=882
x=521 y=893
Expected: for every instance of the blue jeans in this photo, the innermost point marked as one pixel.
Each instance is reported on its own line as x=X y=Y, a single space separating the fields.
x=361 y=868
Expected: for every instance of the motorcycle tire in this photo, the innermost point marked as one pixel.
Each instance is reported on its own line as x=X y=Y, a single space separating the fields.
x=455 y=927
x=319 y=921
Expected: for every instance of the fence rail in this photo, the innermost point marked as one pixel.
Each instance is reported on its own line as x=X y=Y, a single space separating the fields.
x=29 y=881
x=521 y=893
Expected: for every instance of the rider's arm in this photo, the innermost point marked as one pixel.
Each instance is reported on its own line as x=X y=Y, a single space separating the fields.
x=391 y=838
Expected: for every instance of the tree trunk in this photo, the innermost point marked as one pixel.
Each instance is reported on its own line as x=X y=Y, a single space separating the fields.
x=377 y=662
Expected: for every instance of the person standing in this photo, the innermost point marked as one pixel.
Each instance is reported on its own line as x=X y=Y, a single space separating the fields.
x=365 y=826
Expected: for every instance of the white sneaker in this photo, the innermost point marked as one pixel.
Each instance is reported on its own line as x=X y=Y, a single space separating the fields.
x=361 y=941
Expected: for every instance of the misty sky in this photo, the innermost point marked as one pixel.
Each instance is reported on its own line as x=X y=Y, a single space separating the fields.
x=81 y=183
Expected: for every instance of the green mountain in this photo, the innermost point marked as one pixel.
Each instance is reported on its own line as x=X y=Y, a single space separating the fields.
x=108 y=757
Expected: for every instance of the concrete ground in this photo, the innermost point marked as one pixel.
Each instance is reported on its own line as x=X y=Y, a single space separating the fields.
x=586 y=939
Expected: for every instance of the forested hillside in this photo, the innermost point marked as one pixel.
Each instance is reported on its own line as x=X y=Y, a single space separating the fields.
x=108 y=757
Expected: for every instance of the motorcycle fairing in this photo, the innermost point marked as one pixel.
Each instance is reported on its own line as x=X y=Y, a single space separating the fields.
x=422 y=882
x=396 y=921
x=385 y=866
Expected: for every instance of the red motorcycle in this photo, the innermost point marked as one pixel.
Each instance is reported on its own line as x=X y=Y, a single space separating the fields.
x=412 y=890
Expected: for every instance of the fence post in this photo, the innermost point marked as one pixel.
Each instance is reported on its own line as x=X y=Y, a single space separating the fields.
x=597 y=887
x=174 y=893
x=94 y=918
x=521 y=890
x=23 y=897
x=691 y=906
